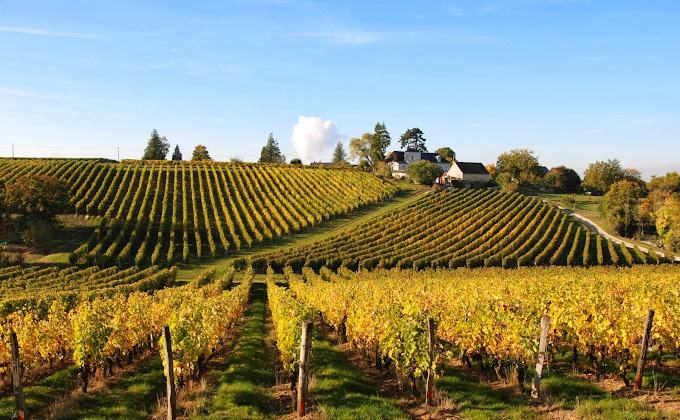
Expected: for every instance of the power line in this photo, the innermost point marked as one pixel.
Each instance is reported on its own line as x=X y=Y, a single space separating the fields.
x=63 y=148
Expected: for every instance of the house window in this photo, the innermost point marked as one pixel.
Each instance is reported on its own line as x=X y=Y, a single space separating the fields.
x=411 y=157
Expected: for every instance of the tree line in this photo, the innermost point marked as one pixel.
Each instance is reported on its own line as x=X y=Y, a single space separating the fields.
x=157 y=148
x=631 y=206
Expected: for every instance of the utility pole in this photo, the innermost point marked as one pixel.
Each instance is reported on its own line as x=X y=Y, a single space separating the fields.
x=118 y=153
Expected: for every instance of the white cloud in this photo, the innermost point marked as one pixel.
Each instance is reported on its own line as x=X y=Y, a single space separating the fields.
x=44 y=32
x=313 y=137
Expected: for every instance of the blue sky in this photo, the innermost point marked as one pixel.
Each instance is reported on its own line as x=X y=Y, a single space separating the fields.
x=574 y=81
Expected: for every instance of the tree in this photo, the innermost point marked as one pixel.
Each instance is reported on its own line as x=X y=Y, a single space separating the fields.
x=200 y=153
x=369 y=149
x=600 y=176
x=669 y=182
x=620 y=205
x=491 y=168
x=271 y=152
x=668 y=223
x=380 y=141
x=360 y=149
x=296 y=161
x=38 y=197
x=447 y=153
x=339 y=154
x=413 y=138
x=157 y=147
x=521 y=165
x=650 y=207
x=176 y=154
x=424 y=172
x=562 y=179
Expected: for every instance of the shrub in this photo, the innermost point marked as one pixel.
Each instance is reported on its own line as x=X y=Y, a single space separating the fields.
x=38 y=234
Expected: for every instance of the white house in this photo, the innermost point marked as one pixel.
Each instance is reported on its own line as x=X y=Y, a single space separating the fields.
x=473 y=172
x=398 y=161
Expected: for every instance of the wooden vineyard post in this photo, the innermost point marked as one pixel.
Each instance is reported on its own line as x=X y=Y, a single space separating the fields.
x=172 y=398
x=643 y=353
x=543 y=344
x=430 y=368
x=16 y=376
x=303 y=376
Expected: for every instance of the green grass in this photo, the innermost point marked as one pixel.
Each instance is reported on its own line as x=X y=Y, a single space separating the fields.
x=341 y=391
x=69 y=232
x=39 y=396
x=476 y=400
x=592 y=402
x=243 y=381
x=568 y=390
x=586 y=205
x=134 y=397
x=616 y=409
x=321 y=231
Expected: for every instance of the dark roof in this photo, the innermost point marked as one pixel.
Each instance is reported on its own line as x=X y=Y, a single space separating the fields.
x=472 y=168
x=543 y=170
x=398 y=157
x=411 y=149
x=432 y=157
x=395 y=157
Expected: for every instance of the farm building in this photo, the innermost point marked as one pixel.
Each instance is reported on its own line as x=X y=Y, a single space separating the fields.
x=398 y=161
x=474 y=172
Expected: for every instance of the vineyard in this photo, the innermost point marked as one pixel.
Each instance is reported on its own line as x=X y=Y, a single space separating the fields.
x=163 y=213
x=463 y=228
x=410 y=294
x=102 y=330
x=492 y=315
x=38 y=287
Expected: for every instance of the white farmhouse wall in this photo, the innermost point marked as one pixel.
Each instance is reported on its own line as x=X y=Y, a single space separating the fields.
x=454 y=172
x=411 y=157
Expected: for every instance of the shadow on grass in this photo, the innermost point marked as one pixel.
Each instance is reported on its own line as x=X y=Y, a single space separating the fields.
x=477 y=400
x=592 y=402
x=245 y=377
x=340 y=389
x=39 y=396
x=134 y=397
x=569 y=390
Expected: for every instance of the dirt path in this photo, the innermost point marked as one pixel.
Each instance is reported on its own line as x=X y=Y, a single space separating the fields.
x=598 y=229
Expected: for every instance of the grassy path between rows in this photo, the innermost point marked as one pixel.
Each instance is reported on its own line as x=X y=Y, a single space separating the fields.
x=335 y=225
x=240 y=382
x=39 y=396
x=134 y=396
x=340 y=389
x=241 y=385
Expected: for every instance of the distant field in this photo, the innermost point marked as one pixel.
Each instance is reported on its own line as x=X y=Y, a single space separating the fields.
x=24 y=287
x=163 y=213
x=586 y=205
x=472 y=228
